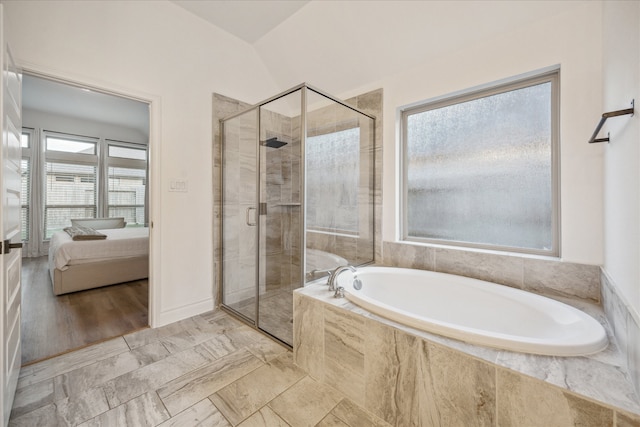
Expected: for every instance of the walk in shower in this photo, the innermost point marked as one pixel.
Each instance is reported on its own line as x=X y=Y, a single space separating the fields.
x=297 y=201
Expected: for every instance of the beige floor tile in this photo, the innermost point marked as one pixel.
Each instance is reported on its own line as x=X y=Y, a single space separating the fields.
x=50 y=368
x=202 y=414
x=305 y=403
x=265 y=417
x=242 y=398
x=154 y=376
x=332 y=421
x=143 y=411
x=354 y=416
x=189 y=389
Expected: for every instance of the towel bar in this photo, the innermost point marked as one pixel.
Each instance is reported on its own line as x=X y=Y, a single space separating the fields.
x=604 y=118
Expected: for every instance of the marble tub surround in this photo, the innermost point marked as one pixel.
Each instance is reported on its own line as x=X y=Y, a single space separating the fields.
x=208 y=370
x=410 y=377
x=539 y=275
x=625 y=325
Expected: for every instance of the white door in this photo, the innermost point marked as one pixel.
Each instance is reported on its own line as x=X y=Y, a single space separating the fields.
x=10 y=208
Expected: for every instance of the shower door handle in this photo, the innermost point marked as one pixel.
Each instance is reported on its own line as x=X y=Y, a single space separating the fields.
x=248 y=215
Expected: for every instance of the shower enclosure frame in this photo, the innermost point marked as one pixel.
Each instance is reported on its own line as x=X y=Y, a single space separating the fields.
x=303 y=88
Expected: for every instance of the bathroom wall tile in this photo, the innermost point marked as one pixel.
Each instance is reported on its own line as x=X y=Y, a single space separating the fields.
x=502 y=269
x=308 y=335
x=354 y=416
x=143 y=410
x=242 y=398
x=185 y=391
x=265 y=417
x=615 y=311
x=633 y=353
x=627 y=420
x=562 y=278
x=151 y=377
x=203 y=414
x=464 y=389
x=409 y=256
x=305 y=403
x=524 y=401
x=625 y=327
x=344 y=336
x=393 y=371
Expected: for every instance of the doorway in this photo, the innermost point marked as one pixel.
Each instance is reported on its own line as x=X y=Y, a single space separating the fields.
x=85 y=155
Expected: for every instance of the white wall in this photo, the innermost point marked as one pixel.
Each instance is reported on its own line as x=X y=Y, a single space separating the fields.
x=572 y=40
x=420 y=50
x=621 y=77
x=158 y=52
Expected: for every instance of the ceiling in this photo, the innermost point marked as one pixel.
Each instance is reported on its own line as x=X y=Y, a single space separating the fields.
x=59 y=98
x=246 y=19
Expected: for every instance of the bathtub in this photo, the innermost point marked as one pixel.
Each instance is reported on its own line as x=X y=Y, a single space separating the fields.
x=475 y=311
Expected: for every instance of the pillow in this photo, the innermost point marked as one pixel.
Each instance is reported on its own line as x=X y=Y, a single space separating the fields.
x=84 y=233
x=99 y=223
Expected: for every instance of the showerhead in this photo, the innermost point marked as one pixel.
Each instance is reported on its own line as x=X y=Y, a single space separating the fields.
x=273 y=143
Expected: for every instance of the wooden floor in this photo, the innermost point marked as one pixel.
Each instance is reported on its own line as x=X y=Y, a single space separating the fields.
x=53 y=325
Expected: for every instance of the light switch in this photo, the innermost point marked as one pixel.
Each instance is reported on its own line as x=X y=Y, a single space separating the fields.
x=180 y=185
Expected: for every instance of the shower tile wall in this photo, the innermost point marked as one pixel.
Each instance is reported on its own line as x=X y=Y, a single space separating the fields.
x=282 y=194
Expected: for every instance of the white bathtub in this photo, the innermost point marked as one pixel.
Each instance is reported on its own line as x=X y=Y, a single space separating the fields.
x=476 y=311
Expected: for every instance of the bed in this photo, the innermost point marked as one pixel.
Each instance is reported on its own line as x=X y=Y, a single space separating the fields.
x=122 y=256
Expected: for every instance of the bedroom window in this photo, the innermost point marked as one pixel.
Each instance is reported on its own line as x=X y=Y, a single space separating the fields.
x=127 y=182
x=480 y=169
x=71 y=180
x=25 y=192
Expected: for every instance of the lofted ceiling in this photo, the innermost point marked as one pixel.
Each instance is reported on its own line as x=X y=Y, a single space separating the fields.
x=246 y=19
x=341 y=45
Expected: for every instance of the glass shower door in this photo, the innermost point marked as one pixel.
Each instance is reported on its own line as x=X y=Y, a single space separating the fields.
x=280 y=214
x=240 y=214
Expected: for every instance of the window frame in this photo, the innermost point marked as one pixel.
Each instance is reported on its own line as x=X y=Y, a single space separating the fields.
x=128 y=163
x=530 y=79
x=62 y=157
x=27 y=153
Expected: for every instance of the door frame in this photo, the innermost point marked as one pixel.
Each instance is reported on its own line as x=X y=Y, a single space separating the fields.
x=154 y=150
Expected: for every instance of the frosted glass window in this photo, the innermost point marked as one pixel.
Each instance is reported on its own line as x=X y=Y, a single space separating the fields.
x=479 y=171
x=332 y=181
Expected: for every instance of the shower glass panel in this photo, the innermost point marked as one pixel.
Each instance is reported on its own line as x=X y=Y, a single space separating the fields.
x=280 y=214
x=297 y=201
x=339 y=186
x=240 y=213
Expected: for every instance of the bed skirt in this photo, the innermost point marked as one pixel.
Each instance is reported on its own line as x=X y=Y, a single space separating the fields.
x=80 y=277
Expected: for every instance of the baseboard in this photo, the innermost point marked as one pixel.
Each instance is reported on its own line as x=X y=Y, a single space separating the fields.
x=169 y=316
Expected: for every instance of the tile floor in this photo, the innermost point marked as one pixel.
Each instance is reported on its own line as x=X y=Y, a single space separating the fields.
x=208 y=370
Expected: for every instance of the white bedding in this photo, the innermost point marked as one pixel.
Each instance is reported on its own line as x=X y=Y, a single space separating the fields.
x=120 y=243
